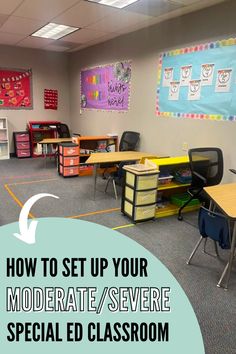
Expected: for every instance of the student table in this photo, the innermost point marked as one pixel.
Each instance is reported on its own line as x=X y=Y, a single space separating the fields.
x=114 y=157
x=224 y=196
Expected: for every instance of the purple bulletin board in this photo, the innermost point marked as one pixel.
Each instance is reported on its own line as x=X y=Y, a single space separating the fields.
x=106 y=87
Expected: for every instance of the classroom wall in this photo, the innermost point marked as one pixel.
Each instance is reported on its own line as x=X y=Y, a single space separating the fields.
x=161 y=136
x=50 y=70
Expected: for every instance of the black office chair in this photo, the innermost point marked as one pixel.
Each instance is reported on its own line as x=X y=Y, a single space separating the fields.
x=206 y=165
x=117 y=177
x=63 y=130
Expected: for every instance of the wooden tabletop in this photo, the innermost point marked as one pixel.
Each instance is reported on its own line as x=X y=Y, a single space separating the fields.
x=109 y=157
x=55 y=141
x=224 y=195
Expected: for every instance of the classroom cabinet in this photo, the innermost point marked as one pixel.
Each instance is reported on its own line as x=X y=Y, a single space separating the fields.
x=4 y=140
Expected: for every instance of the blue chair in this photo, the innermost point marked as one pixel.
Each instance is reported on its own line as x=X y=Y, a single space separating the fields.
x=214 y=226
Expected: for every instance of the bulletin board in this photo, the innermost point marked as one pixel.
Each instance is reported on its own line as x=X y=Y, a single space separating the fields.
x=106 y=87
x=198 y=82
x=16 y=89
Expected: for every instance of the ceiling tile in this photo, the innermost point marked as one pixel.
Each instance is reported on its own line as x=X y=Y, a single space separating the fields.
x=21 y=25
x=35 y=42
x=153 y=7
x=9 y=38
x=83 y=35
x=43 y=9
x=3 y=18
x=83 y=14
x=187 y=2
x=55 y=48
x=7 y=7
x=118 y=20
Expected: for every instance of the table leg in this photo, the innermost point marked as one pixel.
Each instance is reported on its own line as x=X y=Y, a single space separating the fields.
x=231 y=257
x=95 y=168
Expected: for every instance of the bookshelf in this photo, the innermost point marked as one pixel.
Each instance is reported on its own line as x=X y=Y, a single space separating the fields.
x=4 y=139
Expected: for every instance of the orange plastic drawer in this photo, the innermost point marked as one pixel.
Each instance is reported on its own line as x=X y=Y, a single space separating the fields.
x=69 y=150
x=69 y=171
x=69 y=161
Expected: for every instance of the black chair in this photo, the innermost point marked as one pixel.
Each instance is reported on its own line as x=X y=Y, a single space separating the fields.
x=117 y=178
x=129 y=141
x=63 y=130
x=206 y=165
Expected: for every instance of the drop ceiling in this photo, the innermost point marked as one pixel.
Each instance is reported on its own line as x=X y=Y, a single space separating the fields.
x=98 y=23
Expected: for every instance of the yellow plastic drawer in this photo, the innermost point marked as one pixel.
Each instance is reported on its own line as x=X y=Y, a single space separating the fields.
x=140 y=197
x=142 y=182
x=140 y=212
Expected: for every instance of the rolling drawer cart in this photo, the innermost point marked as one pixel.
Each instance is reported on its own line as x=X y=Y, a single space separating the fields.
x=68 y=160
x=139 y=194
x=22 y=144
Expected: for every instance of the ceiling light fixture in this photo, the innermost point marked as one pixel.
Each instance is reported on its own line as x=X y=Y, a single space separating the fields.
x=120 y=4
x=54 y=31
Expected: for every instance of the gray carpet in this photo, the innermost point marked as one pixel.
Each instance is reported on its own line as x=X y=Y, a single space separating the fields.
x=168 y=239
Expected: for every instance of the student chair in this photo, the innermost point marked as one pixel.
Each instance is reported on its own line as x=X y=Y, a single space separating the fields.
x=117 y=177
x=63 y=131
x=212 y=226
x=206 y=165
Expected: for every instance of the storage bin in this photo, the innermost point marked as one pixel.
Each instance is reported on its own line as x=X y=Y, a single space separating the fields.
x=25 y=145
x=23 y=153
x=140 y=197
x=69 y=161
x=68 y=171
x=139 y=213
x=69 y=149
x=165 y=179
x=180 y=199
x=142 y=182
x=22 y=137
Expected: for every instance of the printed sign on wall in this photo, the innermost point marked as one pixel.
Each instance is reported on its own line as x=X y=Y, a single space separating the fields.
x=16 y=89
x=106 y=87
x=198 y=82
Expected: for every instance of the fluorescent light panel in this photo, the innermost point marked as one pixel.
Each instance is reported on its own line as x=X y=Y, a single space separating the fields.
x=54 y=31
x=115 y=3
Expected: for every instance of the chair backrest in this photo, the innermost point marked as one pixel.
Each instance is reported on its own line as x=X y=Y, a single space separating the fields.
x=129 y=141
x=120 y=171
x=63 y=131
x=214 y=226
x=207 y=162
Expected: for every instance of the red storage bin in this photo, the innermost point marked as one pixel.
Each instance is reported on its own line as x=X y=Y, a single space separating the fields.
x=23 y=153
x=22 y=137
x=25 y=145
x=69 y=149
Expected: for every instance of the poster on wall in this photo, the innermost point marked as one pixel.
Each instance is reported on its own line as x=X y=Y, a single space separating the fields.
x=16 y=89
x=198 y=82
x=50 y=99
x=106 y=87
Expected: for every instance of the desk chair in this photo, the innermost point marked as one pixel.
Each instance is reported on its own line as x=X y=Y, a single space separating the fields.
x=117 y=177
x=128 y=142
x=206 y=165
x=63 y=131
x=214 y=226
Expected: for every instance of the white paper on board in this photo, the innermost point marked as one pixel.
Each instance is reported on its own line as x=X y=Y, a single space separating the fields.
x=194 y=90
x=185 y=75
x=207 y=73
x=168 y=76
x=223 y=81
x=174 y=91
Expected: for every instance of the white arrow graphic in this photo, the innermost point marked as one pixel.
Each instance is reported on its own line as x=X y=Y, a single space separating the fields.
x=26 y=234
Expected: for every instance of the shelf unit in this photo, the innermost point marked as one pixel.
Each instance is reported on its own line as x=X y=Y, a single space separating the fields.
x=40 y=130
x=22 y=144
x=91 y=144
x=172 y=164
x=4 y=140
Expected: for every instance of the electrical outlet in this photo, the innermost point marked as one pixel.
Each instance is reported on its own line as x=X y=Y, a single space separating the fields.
x=185 y=146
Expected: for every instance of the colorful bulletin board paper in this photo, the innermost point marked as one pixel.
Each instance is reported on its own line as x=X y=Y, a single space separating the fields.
x=16 y=89
x=50 y=99
x=106 y=87
x=198 y=82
